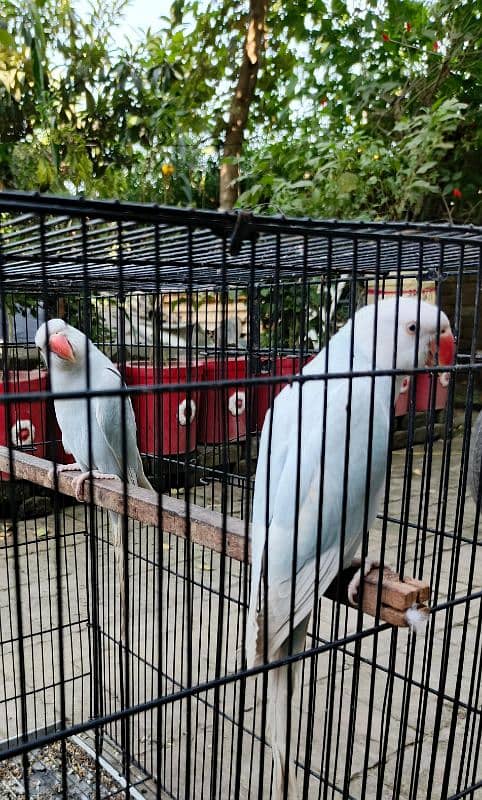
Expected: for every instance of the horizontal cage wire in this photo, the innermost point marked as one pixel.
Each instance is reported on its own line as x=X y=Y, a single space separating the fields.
x=265 y=428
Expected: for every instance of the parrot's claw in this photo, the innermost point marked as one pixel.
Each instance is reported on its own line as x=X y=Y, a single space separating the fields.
x=78 y=483
x=58 y=468
x=354 y=585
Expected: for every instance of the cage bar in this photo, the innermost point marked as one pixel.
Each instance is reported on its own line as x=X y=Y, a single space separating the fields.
x=209 y=317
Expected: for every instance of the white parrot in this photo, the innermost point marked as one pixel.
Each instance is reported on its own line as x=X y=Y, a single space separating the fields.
x=111 y=419
x=285 y=452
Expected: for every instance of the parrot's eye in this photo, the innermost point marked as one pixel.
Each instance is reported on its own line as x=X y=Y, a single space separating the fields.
x=412 y=327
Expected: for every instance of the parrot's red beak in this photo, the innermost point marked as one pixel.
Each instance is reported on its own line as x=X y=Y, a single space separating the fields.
x=60 y=345
x=444 y=348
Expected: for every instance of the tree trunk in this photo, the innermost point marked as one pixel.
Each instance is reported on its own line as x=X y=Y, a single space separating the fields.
x=240 y=104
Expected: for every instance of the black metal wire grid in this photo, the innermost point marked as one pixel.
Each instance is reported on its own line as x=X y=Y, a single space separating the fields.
x=191 y=246
x=382 y=714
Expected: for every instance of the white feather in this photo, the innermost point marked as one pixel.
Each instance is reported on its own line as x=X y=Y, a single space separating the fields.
x=417 y=619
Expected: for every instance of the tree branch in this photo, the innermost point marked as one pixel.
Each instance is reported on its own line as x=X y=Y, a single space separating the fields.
x=241 y=102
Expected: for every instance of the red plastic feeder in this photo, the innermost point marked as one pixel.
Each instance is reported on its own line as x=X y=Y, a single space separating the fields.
x=282 y=366
x=222 y=416
x=28 y=420
x=422 y=391
x=23 y=423
x=166 y=420
x=25 y=427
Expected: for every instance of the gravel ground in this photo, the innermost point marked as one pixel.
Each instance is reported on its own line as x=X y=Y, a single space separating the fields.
x=45 y=776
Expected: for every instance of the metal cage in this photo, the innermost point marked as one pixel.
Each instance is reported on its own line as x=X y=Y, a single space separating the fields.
x=208 y=316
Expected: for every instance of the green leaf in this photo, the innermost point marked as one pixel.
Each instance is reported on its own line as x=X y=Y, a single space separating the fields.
x=303 y=184
x=420 y=184
x=6 y=38
x=425 y=167
x=347 y=182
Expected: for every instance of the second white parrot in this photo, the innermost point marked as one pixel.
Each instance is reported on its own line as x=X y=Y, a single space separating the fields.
x=296 y=509
x=97 y=432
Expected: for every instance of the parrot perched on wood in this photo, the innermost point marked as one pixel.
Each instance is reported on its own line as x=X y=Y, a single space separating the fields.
x=112 y=421
x=290 y=495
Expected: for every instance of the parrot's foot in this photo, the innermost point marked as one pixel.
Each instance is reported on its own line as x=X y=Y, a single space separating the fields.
x=354 y=585
x=58 y=468
x=78 y=483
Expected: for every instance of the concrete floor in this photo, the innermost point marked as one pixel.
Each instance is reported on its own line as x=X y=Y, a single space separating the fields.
x=406 y=711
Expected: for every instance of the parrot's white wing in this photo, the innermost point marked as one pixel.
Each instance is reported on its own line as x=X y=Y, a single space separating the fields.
x=111 y=419
x=285 y=445
x=116 y=427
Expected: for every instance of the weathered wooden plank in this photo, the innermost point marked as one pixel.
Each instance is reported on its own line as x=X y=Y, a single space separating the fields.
x=206 y=527
x=210 y=529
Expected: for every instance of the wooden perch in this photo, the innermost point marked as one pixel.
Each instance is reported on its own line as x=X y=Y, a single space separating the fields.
x=223 y=534
x=206 y=527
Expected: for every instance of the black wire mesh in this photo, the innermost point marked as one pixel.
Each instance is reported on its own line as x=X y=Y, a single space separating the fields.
x=208 y=316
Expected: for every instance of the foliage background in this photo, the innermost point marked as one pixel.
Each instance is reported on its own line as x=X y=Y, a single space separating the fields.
x=368 y=110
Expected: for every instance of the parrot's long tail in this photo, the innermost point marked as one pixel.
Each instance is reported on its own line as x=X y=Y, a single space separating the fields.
x=278 y=699
x=137 y=478
x=116 y=523
x=282 y=686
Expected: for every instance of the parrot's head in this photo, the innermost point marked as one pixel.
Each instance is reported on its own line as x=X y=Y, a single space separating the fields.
x=419 y=331
x=65 y=344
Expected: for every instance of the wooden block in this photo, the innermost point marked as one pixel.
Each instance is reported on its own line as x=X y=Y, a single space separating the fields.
x=423 y=589
x=391 y=615
x=387 y=614
x=396 y=595
x=417 y=591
